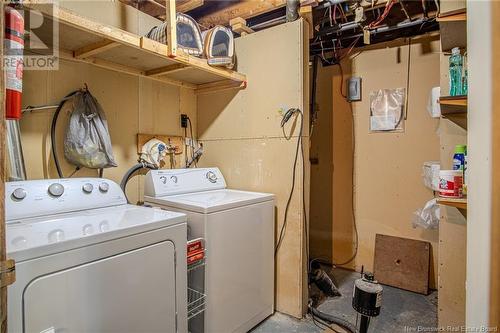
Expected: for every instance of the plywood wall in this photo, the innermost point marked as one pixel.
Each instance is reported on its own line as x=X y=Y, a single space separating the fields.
x=387 y=166
x=242 y=135
x=132 y=104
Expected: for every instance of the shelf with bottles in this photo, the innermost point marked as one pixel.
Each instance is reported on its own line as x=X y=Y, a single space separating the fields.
x=454 y=108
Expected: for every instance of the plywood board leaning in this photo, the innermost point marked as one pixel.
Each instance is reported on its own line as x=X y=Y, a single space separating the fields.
x=402 y=263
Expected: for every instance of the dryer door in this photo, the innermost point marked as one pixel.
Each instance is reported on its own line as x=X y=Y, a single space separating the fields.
x=129 y=292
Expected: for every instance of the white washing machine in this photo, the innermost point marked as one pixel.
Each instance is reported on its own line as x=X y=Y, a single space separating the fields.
x=86 y=261
x=238 y=228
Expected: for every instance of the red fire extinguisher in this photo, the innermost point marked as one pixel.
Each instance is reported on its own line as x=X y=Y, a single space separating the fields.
x=13 y=46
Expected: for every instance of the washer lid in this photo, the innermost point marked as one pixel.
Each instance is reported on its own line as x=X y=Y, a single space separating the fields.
x=211 y=201
x=41 y=236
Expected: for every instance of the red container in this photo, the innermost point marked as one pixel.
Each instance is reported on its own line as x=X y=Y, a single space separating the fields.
x=13 y=61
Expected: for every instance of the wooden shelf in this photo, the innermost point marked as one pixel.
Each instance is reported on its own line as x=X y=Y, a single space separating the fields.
x=84 y=40
x=454 y=16
x=453 y=30
x=454 y=108
x=457 y=203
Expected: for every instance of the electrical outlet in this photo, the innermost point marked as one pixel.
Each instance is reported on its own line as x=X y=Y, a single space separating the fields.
x=184 y=120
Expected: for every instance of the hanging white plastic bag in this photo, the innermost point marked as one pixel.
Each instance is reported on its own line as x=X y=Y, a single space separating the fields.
x=433 y=106
x=87 y=142
x=427 y=217
x=387 y=109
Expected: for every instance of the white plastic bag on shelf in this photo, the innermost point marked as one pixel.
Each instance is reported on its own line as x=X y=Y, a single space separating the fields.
x=427 y=217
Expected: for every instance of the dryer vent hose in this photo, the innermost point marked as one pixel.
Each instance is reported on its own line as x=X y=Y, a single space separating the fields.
x=131 y=171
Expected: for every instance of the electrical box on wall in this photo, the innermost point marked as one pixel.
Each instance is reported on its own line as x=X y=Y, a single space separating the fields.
x=354 y=89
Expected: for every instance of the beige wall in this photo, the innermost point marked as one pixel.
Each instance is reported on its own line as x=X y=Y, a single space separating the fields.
x=387 y=166
x=242 y=135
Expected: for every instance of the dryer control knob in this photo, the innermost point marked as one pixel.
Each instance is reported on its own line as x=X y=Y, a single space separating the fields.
x=104 y=187
x=56 y=189
x=211 y=176
x=174 y=179
x=19 y=193
x=87 y=188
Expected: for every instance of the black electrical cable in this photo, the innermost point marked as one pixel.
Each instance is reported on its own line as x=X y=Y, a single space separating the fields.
x=185 y=147
x=285 y=119
x=53 y=131
x=312 y=106
x=192 y=141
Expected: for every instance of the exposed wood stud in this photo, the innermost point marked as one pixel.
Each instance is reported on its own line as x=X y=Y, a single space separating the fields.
x=219 y=86
x=239 y=25
x=306 y=13
x=166 y=70
x=189 y=5
x=171 y=19
x=95 y=48
x=244 y=8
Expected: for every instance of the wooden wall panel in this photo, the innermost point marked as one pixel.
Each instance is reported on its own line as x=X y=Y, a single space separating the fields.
x=388 y=186
x=242 y=135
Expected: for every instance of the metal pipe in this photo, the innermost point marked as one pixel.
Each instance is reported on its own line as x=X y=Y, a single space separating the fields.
x=15 y=158
x=330 y=3
x=292 y=10
x=30 y=108
x=270 y=23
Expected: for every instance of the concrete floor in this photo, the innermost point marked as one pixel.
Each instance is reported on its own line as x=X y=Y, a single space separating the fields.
x=400 y=309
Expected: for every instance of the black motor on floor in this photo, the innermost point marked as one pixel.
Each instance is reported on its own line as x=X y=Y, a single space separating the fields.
x=367 y=299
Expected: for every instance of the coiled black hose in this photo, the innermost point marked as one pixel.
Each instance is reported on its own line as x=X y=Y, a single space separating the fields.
x=131 y=171
x=53 y=131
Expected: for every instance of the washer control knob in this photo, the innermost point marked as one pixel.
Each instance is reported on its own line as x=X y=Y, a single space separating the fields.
x=174 y=179
x=104 y=187
x=19 y=193
x=56 y=189
x=211 y=176
x=87 y=188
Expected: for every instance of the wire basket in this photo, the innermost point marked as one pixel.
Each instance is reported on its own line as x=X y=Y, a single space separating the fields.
x=196 y=302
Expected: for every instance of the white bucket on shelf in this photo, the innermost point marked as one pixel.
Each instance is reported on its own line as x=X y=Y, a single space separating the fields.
x=450 y=183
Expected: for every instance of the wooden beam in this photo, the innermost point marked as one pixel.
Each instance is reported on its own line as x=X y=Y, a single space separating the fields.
x=243 y=8
x=166 y=70
x=307 y=14
x=95 y=48
x=171 y=19
x=186 y=6
x=157 y=8
x=239 y=25
x=219 y=86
